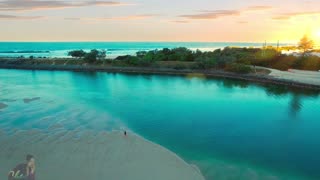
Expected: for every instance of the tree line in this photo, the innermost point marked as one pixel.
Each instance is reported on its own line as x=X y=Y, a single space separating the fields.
x=239 y=60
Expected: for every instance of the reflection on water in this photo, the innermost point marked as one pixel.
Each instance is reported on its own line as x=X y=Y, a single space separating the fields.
x=234 y=83
x=223 y=126
x=296 y=97
x=295 y=105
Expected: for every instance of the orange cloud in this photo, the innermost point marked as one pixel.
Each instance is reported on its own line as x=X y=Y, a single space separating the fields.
x=242 y=22
x=259 y=8
x=212 y=14
x=120 y=18
x=23 y=5
x=287 y=16
x=124 y=18
x=180 y=21
x=224 y=13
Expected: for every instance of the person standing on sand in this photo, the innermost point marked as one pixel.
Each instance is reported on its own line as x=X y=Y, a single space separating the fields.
x=125 y=133
x=24 y=171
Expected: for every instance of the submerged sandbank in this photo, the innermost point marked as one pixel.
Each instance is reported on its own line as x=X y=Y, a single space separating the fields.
x=106 y=155
x=2 y=105
x=29 y=100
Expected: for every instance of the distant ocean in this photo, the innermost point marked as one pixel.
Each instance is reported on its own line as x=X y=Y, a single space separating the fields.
x=114 y=49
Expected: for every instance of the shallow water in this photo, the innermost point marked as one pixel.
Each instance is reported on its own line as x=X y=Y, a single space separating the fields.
x=230 y=129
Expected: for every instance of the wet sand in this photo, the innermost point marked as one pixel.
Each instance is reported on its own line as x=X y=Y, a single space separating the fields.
x=64 y=155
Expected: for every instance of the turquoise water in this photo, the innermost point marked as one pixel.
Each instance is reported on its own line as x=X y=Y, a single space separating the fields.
x=230 y=129
x=114 y=49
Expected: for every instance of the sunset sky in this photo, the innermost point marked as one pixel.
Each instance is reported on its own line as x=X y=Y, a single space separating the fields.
x=159 y=20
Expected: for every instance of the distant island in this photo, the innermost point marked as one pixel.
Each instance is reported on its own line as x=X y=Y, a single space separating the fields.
x=252 y=64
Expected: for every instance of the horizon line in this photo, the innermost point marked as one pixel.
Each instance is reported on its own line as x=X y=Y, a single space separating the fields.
x=262 y=42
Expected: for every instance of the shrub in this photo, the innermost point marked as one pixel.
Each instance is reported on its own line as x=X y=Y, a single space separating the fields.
x=309 y=63
x=206 y=63
x=121 y=58
x=179 y=67
x=238 y=68
x=77 y=53
x=284 y=62
x=91 y=57
x=141 y=54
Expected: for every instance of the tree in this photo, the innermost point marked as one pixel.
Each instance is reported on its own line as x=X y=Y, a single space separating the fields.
x=141 y=54
x=77 y=53
x=91 y=57
x=306 y=44
x=181 y=54
x=102 y=54
x=166 y=51
x=206 y=62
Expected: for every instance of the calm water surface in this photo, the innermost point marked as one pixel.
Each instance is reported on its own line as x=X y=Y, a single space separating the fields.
x=230 y=129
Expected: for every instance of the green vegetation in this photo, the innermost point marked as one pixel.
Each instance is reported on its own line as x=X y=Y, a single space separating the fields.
x=237 y=60
x=89 y=57
x=238 y=68
x=77 y=53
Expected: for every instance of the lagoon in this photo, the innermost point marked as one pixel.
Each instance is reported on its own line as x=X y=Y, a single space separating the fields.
x=229 y=129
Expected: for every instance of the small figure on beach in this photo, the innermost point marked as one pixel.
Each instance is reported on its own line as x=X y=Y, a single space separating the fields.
x=125 y=133
x=25 y=171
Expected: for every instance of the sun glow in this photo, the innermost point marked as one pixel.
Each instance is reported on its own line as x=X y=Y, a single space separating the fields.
x=316 y=37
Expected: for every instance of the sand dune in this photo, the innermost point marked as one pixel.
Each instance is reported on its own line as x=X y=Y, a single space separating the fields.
x=93 y=156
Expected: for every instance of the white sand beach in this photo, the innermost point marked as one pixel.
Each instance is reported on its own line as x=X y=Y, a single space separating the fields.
x=65 y=156
x=308 y=77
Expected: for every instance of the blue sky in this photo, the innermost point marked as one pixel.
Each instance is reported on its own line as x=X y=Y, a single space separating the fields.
x=159 y=20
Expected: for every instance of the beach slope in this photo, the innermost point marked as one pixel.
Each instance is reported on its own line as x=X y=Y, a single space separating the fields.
x=65 y=155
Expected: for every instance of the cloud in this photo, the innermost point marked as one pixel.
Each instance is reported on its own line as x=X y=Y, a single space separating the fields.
x=120 y=18
x=242 y=22
x=125 y=18
x=72 y=19
x=180 y=21
x=23 y=5
x=11 y=17
x=212 y=14
x=281 y=17
x=287 y=16
x=224 y=13
x=259 y=8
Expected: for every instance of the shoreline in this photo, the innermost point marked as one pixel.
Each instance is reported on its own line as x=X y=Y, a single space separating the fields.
x=92 y=156
x=255 y=78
